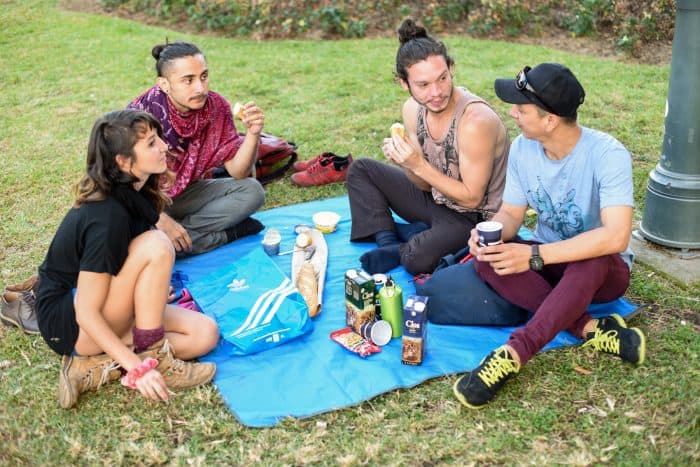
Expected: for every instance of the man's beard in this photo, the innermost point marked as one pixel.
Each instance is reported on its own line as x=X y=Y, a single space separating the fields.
x=449 y=98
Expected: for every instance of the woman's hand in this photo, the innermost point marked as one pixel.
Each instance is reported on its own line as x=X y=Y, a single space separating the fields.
x=152 y=386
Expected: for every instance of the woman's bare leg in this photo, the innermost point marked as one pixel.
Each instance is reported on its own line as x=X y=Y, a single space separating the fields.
x=142 y=281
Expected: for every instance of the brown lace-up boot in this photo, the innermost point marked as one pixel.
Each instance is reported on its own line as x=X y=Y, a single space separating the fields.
x=80 y=374
x=18 y=309
x=177 y=373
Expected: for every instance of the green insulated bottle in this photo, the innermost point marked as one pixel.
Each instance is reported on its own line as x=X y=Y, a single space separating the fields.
x=391 y=300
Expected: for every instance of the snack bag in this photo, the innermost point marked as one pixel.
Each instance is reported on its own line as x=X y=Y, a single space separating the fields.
x=354 y=342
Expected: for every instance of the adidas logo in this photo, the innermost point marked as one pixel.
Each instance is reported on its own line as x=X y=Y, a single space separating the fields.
x=237 y=285
x=264 y=309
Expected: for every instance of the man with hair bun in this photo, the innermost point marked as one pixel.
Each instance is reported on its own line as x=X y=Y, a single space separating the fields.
x=202 y=139
x=448 y=172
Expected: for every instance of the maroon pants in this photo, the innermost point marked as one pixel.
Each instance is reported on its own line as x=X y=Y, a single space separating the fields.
x=558 y=295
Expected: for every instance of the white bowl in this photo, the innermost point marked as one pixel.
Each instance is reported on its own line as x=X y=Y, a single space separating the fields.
x=326 y=221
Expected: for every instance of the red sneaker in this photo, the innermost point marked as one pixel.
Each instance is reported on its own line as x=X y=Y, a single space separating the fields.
x=300 y=166
x=326 y=170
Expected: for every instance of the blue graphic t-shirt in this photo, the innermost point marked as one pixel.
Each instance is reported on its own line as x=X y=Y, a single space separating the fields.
x=568 y=194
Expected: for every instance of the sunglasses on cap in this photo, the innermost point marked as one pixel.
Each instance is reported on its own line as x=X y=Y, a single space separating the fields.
x=522 y=84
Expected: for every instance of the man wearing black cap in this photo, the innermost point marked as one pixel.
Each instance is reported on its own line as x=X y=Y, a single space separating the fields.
x=579 y=181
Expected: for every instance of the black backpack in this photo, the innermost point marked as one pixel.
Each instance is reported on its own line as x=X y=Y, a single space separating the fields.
x=459 y=296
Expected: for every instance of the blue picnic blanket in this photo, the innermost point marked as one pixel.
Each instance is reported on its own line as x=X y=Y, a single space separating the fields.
x=312 y=374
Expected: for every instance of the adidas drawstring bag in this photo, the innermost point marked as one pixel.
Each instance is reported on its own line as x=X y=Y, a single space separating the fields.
x=254 y=303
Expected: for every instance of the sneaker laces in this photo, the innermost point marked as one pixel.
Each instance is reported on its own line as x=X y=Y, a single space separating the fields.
x=29 y=298
x=604 y=341
x=314 y=168
x=498 y=367
x=176 y=365
x=316 y=165
x=26 y=313
x=166 y=347
x=107 y=367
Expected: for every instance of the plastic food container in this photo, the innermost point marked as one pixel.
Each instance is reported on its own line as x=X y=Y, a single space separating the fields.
x=326 y=221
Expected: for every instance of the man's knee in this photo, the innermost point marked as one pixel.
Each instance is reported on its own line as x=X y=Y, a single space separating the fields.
x=597 y=272
x=255 y=194
x=243 y=197
x=418 y=261
x=360 y=168
x=483 y=268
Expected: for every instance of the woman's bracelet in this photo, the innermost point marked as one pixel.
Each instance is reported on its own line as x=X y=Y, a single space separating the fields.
x=130 y=378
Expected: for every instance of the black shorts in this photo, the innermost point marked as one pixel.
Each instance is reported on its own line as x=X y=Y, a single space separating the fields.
x=57 y=323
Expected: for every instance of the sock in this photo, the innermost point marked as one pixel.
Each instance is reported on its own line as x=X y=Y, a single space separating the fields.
x=406 y=231
x=386 y=238
x=381 y=259
x=247 y=226
x=144 y=338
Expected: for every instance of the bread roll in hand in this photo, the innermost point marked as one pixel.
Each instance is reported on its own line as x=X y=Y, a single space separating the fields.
x=397 y=129
x=238 y=111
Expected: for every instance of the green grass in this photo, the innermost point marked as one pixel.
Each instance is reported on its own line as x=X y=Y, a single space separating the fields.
x=60 y=71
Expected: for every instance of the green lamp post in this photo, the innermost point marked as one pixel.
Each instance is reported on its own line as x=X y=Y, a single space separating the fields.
x=672 y=210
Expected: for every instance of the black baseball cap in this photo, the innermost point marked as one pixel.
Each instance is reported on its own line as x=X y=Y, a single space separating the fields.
x=550 y=86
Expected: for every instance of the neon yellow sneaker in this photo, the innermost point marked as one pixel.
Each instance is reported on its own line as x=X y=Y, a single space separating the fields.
x=477 y=387
x=611 y=335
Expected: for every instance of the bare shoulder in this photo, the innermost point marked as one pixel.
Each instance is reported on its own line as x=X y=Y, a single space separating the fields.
x=481 y=132
x=480 y=117
x=410 y=108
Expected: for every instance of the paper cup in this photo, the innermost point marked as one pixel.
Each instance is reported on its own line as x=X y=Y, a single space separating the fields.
x=489 y=233
x=272 y=249
x=299 y=228
x=271 y=242
x=378 y=332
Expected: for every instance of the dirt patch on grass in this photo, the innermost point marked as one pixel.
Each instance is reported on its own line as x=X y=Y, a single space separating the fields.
x=652 y=54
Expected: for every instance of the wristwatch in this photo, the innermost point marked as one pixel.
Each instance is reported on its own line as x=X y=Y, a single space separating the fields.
x=536 y=263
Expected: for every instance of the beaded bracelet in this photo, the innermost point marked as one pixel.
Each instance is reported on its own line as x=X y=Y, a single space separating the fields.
x=130 y=378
